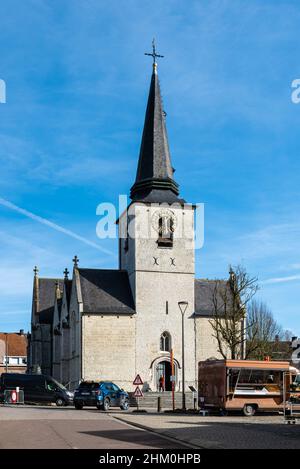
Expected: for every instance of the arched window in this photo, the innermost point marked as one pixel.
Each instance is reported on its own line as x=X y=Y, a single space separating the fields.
x=165 y=231
x=165 y=342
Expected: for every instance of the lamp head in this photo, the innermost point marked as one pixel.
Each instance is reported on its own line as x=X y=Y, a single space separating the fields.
x=183 y=306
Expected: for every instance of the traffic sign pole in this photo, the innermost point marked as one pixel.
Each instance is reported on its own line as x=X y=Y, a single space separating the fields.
x=137 y=393
x=173 y=379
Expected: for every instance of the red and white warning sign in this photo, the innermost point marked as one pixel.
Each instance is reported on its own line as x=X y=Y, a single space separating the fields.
x=138 y=392
x=138 y=381
x=13 y=397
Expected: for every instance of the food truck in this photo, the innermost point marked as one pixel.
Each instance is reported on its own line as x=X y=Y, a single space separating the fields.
x=247 y=385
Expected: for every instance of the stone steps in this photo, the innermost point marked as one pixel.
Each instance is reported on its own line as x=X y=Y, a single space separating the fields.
x=150 y=400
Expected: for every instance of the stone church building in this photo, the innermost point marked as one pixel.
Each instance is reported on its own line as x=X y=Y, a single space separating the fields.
x=112 y=324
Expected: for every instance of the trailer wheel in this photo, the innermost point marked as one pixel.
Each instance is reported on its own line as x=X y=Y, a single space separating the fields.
x=249 y=410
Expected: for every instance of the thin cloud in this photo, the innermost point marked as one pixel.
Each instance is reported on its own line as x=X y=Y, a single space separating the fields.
x=272 y=240
x=290 y=278
x=54 y=226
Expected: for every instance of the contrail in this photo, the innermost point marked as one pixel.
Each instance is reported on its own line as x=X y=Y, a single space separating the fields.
x=281 y=279
x=54 y=226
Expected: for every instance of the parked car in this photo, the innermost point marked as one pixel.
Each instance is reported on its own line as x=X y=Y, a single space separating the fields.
x=38 y=389
x=102 y=394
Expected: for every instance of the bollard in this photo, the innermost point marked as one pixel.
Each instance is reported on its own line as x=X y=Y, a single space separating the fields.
x=159 y=404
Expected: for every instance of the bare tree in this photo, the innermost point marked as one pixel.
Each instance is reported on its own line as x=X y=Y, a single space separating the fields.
x=264 y=334
x=286 y=335
x=229 y=301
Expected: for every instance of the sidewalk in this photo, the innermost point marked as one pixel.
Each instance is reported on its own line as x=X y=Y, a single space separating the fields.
x=262 y=431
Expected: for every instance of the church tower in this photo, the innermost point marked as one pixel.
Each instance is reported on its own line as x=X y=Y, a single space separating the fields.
x=157 y=250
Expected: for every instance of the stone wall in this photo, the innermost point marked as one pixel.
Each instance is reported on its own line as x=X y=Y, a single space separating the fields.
x=56 y=355
x=108 y=348
x=65 y=343
x=206 y=344
x=158 y=312
x=75 y=373
x=160 y=277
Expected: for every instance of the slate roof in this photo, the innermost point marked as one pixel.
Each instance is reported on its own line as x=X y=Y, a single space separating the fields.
x=16 y=344
x=204 y=289
x=47 y=299
x=106 y=291
x=154 y=175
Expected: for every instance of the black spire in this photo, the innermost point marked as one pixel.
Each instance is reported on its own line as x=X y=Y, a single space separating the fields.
x=154 y=178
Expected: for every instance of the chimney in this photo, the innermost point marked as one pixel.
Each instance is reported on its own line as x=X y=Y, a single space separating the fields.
x=21 y=332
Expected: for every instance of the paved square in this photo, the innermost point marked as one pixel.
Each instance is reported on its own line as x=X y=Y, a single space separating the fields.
x=67 y=428
x=53 y=427
x=235 y=431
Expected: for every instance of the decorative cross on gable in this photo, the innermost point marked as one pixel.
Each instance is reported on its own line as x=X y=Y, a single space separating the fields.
x=66 y=273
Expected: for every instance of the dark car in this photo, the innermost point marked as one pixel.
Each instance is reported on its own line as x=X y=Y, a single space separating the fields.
x=38 y=389
x=102 y=394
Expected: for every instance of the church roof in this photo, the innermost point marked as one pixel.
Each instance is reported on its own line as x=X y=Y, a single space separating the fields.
x=154 y=178
x=106 y=291
x=204 y=289
x=47 y=299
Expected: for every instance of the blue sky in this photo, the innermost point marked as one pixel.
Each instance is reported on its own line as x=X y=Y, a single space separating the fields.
x=77 y=83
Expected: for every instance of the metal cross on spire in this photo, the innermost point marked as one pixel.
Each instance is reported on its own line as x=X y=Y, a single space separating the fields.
x=154 y=54
x=66 y=274
x=75 y=260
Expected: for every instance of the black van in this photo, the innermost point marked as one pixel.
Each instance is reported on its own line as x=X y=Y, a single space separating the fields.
x=38 y=389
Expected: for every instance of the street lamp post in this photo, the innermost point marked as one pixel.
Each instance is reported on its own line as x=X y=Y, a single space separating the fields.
x=183 y=307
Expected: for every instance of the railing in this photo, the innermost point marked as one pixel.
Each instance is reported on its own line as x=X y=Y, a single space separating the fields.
x=13 y=396
x=291 y=404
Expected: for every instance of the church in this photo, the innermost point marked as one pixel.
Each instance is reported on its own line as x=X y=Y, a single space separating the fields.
x=112 y=324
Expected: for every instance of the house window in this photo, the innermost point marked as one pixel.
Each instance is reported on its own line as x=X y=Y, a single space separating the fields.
x=165 y=342
x=14 y=360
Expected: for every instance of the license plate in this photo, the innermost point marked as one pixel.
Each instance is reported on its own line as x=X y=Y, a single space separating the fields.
x=85 y=393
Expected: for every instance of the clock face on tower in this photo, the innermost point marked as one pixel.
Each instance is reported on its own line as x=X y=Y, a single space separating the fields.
x=164 y=221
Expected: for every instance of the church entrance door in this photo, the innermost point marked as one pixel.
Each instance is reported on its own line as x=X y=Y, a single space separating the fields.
x=164 y=369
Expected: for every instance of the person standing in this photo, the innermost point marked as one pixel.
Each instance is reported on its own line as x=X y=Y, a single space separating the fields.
x=161 y=384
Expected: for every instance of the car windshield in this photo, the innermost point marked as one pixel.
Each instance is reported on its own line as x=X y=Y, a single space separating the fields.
x=53 y=382
x=297 y=379
x=87 y=385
